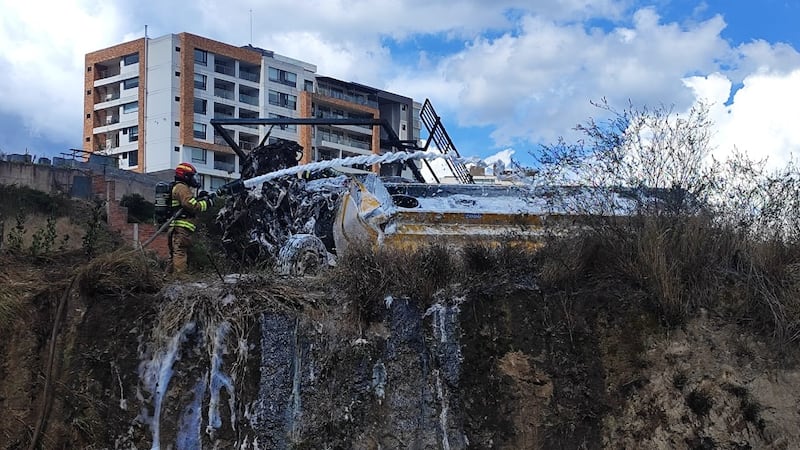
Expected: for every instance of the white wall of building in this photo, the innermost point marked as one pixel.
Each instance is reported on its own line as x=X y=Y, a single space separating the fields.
x=162 y=111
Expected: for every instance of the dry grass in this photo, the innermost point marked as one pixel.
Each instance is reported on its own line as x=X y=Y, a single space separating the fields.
x=18 y=283
x=365 y=276
x=120 y=274
x=679 y=264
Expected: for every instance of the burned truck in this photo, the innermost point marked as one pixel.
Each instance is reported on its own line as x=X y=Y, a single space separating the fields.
x=299 y=217
x=301 y=221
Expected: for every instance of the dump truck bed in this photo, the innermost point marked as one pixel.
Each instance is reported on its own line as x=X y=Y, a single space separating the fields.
x=408 y=215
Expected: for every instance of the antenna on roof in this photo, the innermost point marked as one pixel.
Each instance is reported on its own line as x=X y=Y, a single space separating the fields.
x=251 y=27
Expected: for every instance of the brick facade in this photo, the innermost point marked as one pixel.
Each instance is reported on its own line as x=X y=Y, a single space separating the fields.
x=91 y=96
x=190 y=42
x=132 y=233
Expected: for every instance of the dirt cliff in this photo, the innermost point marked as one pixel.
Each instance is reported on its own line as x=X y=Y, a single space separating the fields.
x=483 y=348
x=259 y=361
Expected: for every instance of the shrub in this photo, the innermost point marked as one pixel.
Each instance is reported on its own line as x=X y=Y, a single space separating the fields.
x=16 y=198
x=139 y=209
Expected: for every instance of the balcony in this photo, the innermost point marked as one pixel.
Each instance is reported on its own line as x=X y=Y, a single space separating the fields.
x=249 y=99
x=248 y=95
x=107 y=71
x=223 y=93
x=222 y=111
x=224 y=66
x=223 y=69
x=249 y=72
x=224 y=89
x=108 y=95
x=225 y=165
x=107 y=142
x=109 y=120
x=249 y=76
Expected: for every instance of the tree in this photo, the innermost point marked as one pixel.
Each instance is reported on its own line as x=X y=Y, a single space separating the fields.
x=655 y=157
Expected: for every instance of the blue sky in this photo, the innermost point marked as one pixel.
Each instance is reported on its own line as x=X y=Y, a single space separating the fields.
x=506 y=75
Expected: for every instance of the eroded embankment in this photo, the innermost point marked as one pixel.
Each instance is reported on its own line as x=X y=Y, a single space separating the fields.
x=266 y=362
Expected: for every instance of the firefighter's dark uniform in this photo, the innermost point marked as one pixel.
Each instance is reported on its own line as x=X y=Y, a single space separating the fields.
x=182 y=228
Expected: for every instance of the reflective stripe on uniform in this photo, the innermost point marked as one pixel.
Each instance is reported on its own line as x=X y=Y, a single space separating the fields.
x=203 y=205
x=183 y=224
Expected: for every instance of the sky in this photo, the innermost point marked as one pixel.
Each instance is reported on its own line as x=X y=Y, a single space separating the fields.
x=506 y=76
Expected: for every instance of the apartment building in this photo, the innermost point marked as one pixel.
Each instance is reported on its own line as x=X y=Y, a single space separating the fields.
x=149 y=103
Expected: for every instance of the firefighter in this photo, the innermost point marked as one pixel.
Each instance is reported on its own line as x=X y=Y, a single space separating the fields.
x=182 y=228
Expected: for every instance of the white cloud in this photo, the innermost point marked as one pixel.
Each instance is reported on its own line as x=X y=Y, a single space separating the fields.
x=524 y=70
x=761 y=120
x=535 y=85
x=42 y=47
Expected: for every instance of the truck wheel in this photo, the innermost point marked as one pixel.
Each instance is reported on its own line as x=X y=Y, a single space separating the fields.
x=302 y=254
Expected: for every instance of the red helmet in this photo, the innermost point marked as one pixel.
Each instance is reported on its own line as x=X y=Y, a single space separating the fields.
x=188 y=174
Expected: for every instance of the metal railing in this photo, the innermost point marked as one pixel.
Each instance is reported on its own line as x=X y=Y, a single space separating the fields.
x=223 y=93
x=224 y=69
x=249 y=76
x=249 y=99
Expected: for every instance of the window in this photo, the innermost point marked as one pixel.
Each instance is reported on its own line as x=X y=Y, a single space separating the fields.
x=280 y=99
x=224 y=65
x=130 y=83
x=200 y=106
x=283 y=77
x=199 y=130
x=248 y=95
x=248 y=72
x=130 y=107
x=226 y=162
x=198 y=155
x=217 y=182
x=133 y=134
x=309 y=86
x=201 y=57
x=200 y=81
x=133 y=158
x=133 y=58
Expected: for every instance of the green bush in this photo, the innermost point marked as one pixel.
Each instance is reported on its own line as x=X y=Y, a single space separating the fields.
x=17 y=198
x=139 y=209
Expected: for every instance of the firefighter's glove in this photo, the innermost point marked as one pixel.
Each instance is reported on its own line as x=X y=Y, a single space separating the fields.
x=208 y=197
